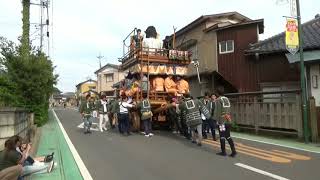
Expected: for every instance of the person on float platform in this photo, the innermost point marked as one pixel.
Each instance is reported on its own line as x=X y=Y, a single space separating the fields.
x=182 y=85
x=193 y=118
x=102 y=108
x=158 y=84
x=222 y=115
x=170 y=85
x=86 y=110
x=137 y=39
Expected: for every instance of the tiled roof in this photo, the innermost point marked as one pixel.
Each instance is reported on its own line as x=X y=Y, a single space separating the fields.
x=107 y=65
x=203 y=18
x=89 y=80
x=258 y=21
x=274 y=44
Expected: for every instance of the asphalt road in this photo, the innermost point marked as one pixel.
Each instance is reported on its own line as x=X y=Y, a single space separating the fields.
x=167 y=156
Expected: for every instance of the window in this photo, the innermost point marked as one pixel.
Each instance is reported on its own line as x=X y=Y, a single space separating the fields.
x=226 y=47
x=92 y=88
x=194 y=52
x=109 y=77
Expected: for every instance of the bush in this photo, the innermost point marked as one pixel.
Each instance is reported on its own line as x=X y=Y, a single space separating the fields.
x=28 y=81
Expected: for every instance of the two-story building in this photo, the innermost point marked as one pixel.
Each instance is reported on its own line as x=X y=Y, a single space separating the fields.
x=218 y=42
x=88 y=86
x=106 y=77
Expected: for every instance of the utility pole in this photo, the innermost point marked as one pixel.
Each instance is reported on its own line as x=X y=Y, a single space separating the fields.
x=174 y=38
x=302 y=76
x=41 y=24
x=43 y=4
x=100 y=57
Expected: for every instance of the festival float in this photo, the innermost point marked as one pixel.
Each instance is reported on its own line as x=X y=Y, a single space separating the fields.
x=150 y=68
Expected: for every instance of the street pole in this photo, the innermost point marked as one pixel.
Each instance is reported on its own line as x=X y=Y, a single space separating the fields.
x=41 y=25
x=302 y=77
x=100 y=57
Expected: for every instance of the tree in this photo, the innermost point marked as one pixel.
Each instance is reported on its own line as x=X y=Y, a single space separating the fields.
x=28 y=80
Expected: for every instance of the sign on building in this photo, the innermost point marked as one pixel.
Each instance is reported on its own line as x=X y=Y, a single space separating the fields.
x=292 y=39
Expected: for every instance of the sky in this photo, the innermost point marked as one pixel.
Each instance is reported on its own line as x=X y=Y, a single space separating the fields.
x=80 y=30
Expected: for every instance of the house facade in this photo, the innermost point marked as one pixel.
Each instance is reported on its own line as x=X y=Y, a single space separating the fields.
x=86 y=86
x=106 y=77
x=218 y=42
x=277 y=69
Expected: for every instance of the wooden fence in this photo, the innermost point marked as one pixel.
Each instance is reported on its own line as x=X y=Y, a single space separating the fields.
x=262 y=111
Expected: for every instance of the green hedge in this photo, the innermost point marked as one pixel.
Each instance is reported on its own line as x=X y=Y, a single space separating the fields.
x=26 y=81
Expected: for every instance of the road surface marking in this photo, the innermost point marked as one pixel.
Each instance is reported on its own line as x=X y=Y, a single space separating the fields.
x=83 y=169
x=276 y=153
x=258 y=155
x=291 y=155
x=94 y=126
x=261 y=171
x=276 y=144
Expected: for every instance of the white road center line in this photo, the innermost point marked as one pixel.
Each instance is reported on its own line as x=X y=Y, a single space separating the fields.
x=83 y=169
x=260 y=171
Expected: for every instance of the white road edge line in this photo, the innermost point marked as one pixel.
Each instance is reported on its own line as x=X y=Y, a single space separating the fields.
x=261 y=171
x=83 y=169
x=275 y=144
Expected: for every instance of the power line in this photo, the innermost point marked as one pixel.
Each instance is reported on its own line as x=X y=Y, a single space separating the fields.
x=44 y=22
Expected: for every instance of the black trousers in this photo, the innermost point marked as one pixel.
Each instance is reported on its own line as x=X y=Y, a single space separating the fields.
x=224 y=132
x=124 y=124
x=212 y=126
x=184 y=129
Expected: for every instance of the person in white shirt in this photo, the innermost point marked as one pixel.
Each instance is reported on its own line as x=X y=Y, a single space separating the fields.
x=124 y=115
x=152 y=41
x=102 y=108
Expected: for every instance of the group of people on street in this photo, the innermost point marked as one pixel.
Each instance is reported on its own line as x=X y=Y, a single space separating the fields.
x=115 y=112
x=16 y=162
x=193 y=118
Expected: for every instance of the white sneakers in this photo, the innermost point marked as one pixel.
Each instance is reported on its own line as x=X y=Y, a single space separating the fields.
x=103 y=129
x=148 y=135
x=50 y=166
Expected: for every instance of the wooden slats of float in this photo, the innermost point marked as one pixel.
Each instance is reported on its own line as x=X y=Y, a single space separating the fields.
x=154 y=58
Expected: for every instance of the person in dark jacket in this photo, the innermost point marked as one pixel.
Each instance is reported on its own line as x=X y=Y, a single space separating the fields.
x=182 y=117
x=146 y=115
x=209 y=122
x=222 y=115
x=172 y=115
x=193 y=118
x=86 y=110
